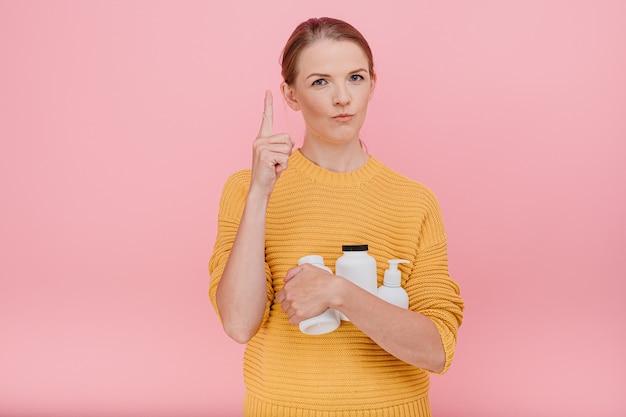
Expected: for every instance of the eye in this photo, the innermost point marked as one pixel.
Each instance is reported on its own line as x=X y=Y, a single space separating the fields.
x=321 y=81
x=356 y=77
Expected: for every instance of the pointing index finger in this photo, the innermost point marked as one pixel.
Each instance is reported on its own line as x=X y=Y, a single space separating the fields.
x=268 y=116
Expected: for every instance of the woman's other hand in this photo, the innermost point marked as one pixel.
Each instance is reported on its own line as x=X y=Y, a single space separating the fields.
x=307 y=292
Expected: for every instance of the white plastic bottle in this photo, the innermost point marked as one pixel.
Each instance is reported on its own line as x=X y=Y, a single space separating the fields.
x=327 y=321
x=357 y=266
x=391 y=290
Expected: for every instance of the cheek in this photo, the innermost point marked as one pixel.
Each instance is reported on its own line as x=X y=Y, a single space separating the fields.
x=363 y=103
x=365 y=95
x=312 y=108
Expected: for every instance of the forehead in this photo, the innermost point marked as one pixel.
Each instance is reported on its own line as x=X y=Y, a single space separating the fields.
x=330 y=56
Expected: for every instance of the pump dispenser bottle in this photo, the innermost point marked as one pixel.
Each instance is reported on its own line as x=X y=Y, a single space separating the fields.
x=358 y=266
x=391 y=290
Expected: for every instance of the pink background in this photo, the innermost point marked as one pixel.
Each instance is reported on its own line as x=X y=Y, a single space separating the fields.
x=120 y=121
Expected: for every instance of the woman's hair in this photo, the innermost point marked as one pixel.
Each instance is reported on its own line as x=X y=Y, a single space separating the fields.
x=317 y=29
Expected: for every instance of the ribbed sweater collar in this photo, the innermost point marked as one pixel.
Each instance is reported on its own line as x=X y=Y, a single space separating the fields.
x=300 y=163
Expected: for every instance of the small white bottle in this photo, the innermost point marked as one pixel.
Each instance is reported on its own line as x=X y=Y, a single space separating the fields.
x=327 y=321
x=358 y=266
x=391 y=290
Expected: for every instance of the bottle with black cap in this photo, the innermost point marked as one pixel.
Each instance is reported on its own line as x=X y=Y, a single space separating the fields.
x=357 y=266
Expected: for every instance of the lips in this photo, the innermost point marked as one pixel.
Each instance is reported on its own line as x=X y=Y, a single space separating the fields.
x=343 y=117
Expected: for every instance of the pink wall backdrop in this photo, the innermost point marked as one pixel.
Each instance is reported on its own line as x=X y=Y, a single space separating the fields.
x=120 y=121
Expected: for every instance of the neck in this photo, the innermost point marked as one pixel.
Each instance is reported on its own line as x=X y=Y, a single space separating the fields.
x=339 y=158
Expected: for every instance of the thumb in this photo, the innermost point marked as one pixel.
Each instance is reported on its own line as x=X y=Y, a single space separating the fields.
x=292 y=273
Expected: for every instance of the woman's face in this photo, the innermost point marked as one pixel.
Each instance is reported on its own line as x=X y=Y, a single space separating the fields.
x=332 y=89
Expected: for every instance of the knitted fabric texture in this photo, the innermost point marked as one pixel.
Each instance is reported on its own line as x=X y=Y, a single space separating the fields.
x=315 y=211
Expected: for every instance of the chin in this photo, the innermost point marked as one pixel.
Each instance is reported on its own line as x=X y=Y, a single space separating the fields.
x=343 y=134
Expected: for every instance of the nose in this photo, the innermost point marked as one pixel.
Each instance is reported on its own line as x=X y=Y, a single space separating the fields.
x=342 y=96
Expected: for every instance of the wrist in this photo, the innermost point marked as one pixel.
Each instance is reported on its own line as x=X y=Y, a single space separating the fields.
x=338 y=294
x=257 y=197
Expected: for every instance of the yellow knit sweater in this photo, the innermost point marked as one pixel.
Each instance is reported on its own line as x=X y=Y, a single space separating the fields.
x=315 y=211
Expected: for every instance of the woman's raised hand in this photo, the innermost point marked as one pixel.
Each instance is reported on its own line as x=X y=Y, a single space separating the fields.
x=270 y=151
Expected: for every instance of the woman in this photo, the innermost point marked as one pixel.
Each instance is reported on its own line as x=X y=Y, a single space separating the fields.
x=313 y=200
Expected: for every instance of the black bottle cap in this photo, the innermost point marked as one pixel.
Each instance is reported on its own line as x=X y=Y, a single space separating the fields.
x=354 y=248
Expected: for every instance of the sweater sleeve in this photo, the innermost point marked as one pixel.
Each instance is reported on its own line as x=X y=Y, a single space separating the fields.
x=431 y=290
x=231 y=208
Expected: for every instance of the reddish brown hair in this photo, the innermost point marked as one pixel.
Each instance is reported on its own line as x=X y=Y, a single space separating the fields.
x=317 y=29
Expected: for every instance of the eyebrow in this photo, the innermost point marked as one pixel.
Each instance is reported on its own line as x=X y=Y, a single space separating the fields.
x=320 y=75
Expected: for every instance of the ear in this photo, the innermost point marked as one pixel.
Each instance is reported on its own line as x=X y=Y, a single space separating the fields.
x=289 y=94
x=372 y=86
